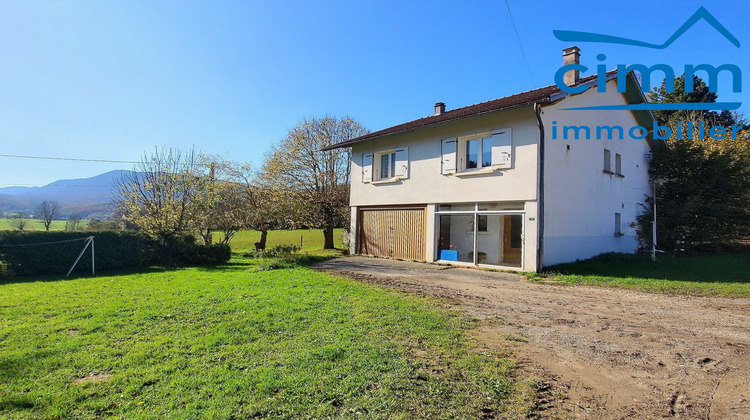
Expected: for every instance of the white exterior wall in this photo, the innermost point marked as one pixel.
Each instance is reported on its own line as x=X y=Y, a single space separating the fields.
x=426 y=185
x=580 y=201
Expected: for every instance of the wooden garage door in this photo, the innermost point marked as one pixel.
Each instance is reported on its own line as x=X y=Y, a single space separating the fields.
x=395 y=233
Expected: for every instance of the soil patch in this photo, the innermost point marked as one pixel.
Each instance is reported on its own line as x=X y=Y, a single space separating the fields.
x=601 y=352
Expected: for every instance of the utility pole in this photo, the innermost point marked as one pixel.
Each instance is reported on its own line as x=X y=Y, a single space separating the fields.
x=653 y=230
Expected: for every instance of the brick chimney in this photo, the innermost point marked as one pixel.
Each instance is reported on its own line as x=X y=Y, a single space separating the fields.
x=572 y=55
x=439 y=108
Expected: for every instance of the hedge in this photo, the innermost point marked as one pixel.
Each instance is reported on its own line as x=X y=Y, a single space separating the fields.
x=35 y=253
x=113 y=250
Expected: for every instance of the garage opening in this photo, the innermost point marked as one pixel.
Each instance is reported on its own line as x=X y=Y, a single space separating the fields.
x=392 y=232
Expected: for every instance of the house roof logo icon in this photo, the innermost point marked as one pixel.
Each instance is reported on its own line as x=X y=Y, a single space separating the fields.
x=700 y=14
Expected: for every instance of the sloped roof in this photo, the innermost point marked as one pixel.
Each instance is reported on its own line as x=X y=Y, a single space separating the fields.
x=540 y=95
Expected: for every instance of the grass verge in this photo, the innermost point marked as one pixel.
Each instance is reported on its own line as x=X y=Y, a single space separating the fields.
x=234 y=342
x=725 y=275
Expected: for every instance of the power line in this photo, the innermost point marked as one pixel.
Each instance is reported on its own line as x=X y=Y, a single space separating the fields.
x=68 y=159
x=53 y=186
x=520 y=44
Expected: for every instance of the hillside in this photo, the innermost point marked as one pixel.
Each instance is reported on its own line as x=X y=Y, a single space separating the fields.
x=86 y=197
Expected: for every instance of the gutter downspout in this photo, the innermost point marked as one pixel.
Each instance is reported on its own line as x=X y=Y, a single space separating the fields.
x=540 y=222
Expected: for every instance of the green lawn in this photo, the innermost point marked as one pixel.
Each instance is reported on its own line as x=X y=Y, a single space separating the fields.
x=701 y=275
x=33 y=224
x=312 y=239
x=233 y=342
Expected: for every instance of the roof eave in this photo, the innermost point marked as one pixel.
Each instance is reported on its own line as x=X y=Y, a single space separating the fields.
x=435 y=124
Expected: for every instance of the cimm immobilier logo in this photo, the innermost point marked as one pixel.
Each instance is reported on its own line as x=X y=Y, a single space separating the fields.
x=645 y=71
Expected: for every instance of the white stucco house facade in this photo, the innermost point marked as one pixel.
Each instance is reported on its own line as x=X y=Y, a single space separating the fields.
x=505 y=183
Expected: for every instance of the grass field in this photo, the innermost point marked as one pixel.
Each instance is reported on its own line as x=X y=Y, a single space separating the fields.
x=233 y=342
x=32 y=224
x=312 y=239
x=700 y=275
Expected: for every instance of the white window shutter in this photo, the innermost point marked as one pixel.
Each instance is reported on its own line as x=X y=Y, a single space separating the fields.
x=448 y=148
x=502 y=148
x=402 y=163
x=367 y=167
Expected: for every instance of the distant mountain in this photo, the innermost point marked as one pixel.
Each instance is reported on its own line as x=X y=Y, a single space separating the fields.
x=87 y=197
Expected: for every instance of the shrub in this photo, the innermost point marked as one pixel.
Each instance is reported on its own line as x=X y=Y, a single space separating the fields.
x=283 y=251
x=204 y=254
x=185 y=251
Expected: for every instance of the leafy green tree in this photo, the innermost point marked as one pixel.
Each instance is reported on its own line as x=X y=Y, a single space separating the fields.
x=703 y=198
x=318 y=180
x=703 y=185
x=700 y=94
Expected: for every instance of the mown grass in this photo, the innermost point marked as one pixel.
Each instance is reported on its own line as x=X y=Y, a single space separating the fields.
x=234 y=342
x=700 y=275
x=311 y=239
x=33 y=224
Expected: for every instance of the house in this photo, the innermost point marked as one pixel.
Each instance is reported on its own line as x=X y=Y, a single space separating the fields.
x=512 y=183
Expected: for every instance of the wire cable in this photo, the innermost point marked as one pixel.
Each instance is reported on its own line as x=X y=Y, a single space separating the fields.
x=68 y=159
x=520 y=44
x=46 y=243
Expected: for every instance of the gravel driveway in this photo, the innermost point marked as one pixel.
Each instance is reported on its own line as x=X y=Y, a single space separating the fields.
x=602 y=352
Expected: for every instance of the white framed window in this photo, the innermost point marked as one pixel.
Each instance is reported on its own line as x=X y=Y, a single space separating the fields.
x=387 y=162
x=618 y=224
x=477 y=152
x=618 y=164
x=607 y=161
x=386 y=165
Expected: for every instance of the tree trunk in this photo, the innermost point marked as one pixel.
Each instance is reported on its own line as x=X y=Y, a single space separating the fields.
x=328 y=236
x=263 y=236
x=170 y=249
x=208 y=236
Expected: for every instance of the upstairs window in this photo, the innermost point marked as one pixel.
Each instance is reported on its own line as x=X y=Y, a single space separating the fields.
x=607 y=161
x=478 y=153
x=385 y=166
x=618 y=164
x=472 y=153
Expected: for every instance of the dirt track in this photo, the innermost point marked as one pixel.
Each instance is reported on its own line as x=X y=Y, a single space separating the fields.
x=604 y=353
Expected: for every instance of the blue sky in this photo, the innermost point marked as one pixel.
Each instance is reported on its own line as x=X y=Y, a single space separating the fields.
x=112 y=80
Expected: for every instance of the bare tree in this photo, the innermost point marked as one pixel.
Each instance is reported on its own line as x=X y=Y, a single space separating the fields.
x=46 y=212
x=163 y=193
x=20 y=221
x=320 y=179
x=243 y=201
x=73 y=222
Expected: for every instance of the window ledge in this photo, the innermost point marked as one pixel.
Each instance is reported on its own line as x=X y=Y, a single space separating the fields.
x=483 y=171
x=620 y=175
x=604 y=171
x=387 y=180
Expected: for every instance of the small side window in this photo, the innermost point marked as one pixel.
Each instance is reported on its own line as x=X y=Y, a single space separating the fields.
x=618 y=164
x=618 y=224
x=607 y=161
